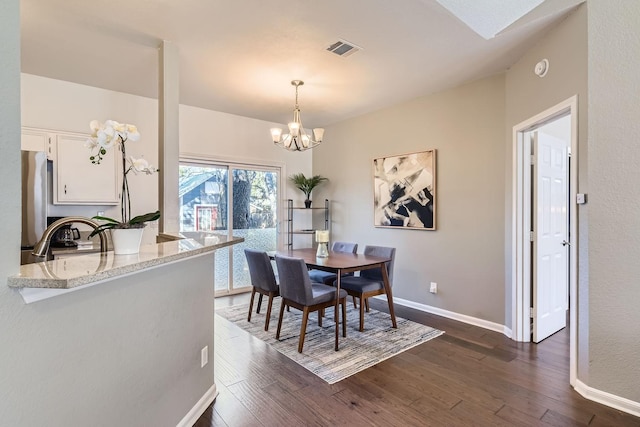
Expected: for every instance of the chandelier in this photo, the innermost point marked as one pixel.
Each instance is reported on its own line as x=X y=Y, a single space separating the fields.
x=297 y=139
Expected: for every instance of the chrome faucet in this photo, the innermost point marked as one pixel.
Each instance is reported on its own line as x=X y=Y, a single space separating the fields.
x=41 y=248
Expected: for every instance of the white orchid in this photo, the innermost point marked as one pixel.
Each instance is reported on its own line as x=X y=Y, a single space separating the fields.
x=103 y=137
x=106 y=135
x=141 y=165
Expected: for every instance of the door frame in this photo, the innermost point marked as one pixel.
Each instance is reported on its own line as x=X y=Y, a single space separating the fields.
x=237 y=163
x=521 y=225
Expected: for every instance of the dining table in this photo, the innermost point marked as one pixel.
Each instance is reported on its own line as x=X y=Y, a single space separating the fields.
x=342 y=263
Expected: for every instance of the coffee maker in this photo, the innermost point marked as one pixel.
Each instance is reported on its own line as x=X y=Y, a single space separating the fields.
x=65 y=236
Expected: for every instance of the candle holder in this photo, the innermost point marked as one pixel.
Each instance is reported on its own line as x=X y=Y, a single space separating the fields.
x=322 y=238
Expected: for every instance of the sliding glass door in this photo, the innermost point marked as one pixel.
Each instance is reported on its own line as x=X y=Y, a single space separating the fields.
x=232 y=199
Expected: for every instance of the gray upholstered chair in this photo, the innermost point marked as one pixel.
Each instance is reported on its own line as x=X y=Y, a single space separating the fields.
x=263 y=281
x=369 y=283
x=299 y=292
x=327 y=277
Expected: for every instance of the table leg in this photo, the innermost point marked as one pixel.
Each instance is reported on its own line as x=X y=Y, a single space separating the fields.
x=387 y=288
x=335 y=316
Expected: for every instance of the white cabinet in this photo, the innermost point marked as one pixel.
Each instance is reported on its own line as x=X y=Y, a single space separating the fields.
x=33 y=139
x=76 y=180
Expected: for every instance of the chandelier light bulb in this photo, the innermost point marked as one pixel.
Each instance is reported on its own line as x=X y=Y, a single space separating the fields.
x=294 y=128
x=276 y=134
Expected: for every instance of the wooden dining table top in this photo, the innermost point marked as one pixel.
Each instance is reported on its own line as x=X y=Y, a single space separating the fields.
x=345 y=262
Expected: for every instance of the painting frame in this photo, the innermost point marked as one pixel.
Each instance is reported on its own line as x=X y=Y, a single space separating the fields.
x=404 y=191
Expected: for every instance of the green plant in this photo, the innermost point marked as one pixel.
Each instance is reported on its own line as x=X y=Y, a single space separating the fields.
x=306 y=185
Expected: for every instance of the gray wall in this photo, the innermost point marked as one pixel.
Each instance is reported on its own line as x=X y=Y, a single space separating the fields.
x=122 y=353
x=465 y=256
x=126 y=352
x=527 y=95
x=614 y=186
x=471 y=126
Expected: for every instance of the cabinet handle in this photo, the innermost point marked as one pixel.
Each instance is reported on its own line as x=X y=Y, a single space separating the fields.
x=65 y=189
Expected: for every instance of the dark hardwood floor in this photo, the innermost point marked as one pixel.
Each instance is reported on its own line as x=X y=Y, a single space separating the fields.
x=468 y=376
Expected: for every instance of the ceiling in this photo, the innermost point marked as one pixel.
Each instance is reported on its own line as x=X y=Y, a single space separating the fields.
x=239 y=56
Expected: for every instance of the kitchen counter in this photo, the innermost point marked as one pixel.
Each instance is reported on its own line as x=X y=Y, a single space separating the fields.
x=138 y=325
x=81 y=270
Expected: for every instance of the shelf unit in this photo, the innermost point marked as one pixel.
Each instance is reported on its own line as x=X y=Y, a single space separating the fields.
x=291 y=231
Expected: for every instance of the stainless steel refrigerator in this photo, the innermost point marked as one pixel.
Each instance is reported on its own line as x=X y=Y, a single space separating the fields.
x=34 y=197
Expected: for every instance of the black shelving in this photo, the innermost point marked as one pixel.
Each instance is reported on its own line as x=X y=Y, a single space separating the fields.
x=311 y=231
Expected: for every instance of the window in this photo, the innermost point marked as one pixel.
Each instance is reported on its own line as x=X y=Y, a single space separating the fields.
x=211 y=202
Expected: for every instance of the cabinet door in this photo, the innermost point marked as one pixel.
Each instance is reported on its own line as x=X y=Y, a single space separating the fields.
x=78 y=181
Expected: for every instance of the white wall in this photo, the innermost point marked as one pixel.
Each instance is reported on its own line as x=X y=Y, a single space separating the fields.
x=65 y=106
x=232 y=138
x=465 y=255
x=614 y=211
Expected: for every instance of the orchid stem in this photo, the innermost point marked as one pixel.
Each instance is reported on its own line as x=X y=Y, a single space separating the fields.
x=125 y=200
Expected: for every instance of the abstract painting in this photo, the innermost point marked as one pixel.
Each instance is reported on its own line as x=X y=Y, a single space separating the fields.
x=404 y=191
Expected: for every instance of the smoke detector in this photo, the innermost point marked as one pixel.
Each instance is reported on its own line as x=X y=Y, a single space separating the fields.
x=343 y=48
x=541 y=68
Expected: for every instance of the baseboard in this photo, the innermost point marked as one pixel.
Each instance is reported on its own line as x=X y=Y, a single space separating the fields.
x=199 y=408
x=492 y=326
x=621 y=403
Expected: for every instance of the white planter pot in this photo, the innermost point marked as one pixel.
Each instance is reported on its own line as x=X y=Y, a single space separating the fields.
x=126 y=240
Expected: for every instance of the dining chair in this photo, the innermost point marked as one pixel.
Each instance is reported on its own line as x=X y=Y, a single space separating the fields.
x=327 y=277
x=263 y=281
x=299 y=292
x=370 y=282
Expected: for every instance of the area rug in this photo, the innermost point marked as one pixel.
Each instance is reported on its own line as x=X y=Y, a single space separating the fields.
x=358 y=351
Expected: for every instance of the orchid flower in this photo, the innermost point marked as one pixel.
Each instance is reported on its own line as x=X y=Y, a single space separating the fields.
x=103 y=137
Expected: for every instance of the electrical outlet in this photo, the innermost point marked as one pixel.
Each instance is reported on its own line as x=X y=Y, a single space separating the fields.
x=434 y=288
x=100 y=213
x=204 y=356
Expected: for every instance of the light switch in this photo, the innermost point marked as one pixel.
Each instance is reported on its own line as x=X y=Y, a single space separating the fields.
x=581 y=198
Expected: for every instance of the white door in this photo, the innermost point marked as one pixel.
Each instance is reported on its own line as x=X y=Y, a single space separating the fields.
x=550 y=246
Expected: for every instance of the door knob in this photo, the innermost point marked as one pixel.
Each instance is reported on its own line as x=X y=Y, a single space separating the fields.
x=565 y=243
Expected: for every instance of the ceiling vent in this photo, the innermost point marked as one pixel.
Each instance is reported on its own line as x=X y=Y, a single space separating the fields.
x=343 y=48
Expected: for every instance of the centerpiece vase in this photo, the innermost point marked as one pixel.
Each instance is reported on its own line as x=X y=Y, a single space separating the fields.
x=126 y=240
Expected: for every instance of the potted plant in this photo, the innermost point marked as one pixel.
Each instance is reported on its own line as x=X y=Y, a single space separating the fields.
x=126 y=234
x=306 y=185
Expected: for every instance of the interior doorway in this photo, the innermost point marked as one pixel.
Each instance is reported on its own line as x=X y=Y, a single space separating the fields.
x=550 y=237
x=542 y=253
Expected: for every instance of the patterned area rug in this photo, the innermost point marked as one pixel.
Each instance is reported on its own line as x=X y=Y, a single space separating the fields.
x=358 y=351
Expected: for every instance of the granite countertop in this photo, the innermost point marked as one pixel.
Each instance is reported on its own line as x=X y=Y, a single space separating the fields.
x=94 y=267
x=80 y=250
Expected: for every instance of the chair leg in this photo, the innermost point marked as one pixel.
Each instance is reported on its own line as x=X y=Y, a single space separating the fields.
x=259 y=304
x=366 y=304
x=303 y=328
x=361 y=315
x=354 y=301
x=266 y=322
x=344 y=317
x=320 y=315
x=280 y=320
x=253 y=294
